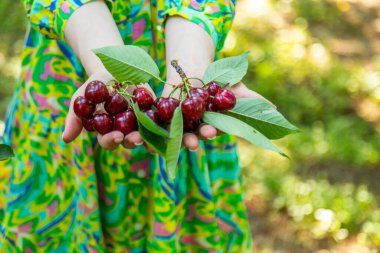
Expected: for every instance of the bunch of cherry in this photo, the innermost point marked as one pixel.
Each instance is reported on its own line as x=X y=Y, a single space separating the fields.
x=103 y=111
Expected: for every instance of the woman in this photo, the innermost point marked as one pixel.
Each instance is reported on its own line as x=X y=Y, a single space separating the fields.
x=87 y=193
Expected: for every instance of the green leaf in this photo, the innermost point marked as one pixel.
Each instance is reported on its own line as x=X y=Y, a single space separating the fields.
x=262 y=116
x=230 y=70
x=6 y=152
x=156 y=142
x=148 y=123
x=237 y=127
x=174 y=143
x=128 y=64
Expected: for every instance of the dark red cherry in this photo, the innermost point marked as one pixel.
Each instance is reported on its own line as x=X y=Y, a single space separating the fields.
x=115 y=104
x=193 y=108
x=224 y=100
x=166 y=109
x=83 y=108
x=143 y=98
x=190 y=125
x=126 y=122
x=158 y=100
x=103 y=123
x=152 y=114
x=199 y=92
x=87 y=124
x=213 y=88
x=96 y=92
x=211 y=107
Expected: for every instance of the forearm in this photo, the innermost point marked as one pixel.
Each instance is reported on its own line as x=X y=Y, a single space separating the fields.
x=91 y=26
x=190 y=45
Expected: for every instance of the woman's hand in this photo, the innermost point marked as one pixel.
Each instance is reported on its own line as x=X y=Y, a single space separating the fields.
x=82 y=34
x=112 y=140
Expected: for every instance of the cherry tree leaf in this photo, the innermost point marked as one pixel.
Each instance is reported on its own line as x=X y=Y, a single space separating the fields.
x=233 y=126
x=148 y=123
x=174 y=144
x=259 y=114
x=230 y=70
x=128 y=64
x=154 y=141
x=6 y=152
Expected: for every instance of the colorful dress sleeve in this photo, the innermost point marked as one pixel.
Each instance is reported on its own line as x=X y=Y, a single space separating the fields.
x=49 y=17
x=214 y=16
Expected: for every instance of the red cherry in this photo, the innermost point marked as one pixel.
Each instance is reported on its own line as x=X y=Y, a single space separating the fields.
x=166 y=109
x=193 y=108
x=152 y=114
x=115 y=104
x=224 y=100
x=96 y=92
x=126 y=122
x=103 y=123
x=199 y=92
x=157 y=101
x=190 y=125
x=211 y=107
x=87 y=124
x=143 y=98
x=213 y=88
x=83 y=108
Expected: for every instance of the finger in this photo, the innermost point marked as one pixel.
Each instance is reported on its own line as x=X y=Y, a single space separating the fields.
x=132 y=140
x=111 y=140
x=207 y=132
x=73 y=127
x=190 y=141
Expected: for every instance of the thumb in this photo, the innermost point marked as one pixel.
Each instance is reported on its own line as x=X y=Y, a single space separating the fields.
x=73 y=124
x=73 y=127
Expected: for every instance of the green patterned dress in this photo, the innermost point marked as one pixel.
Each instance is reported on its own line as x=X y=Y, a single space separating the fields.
x=78 y=197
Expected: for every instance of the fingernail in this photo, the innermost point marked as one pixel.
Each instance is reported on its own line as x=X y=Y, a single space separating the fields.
x=138 y=143
x=119 y=140
x=193 y=150
x=212 y=138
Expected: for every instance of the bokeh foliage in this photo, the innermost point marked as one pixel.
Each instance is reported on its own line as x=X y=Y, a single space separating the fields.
x=318 y=61
x=12 y=30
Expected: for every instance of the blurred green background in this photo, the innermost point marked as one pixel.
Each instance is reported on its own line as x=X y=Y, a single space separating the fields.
x=319 y=62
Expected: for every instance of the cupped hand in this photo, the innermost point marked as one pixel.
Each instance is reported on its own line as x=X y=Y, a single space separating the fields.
x=111 y=140
x=208 y=132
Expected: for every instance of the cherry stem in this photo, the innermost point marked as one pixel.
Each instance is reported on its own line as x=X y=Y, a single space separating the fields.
x=130 y=101
x=182 y=74
x=196 y=78
x=126 y=94
x=172 y=92
x=187 y=89
x=170 y=84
